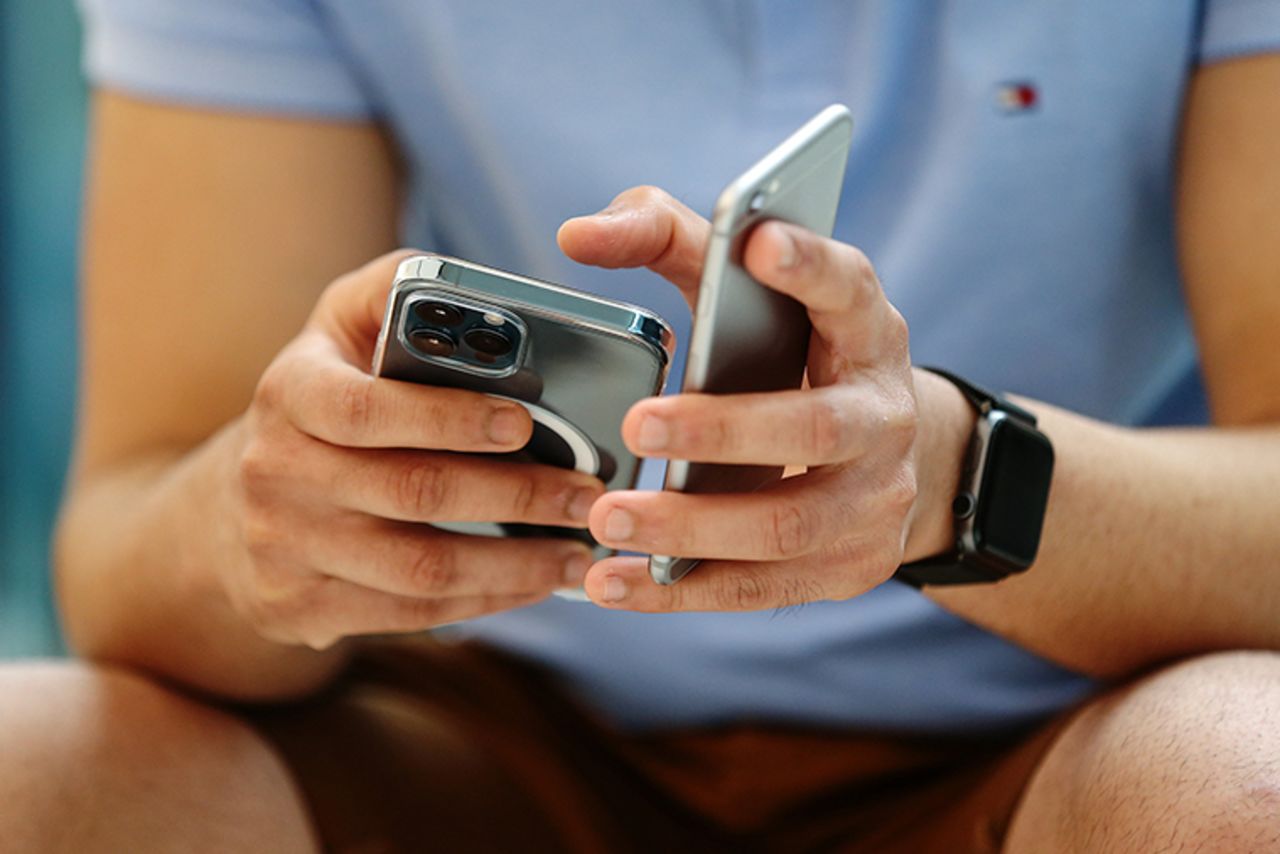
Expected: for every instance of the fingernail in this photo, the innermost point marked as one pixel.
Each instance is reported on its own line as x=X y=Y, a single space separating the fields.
x=619 y=525
x=654 y=434
x=580 y=504
x=615 y=589
x=788 y=255
x=575 y=568
x=506 y=425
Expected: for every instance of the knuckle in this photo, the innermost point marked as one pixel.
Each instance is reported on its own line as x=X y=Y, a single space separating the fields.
x=269 y=393
x=896 y=323
x=848 y=555
x=895 y=330
x=863 y=562
x=264 y=529
x=423 y=489
x=356 y=408
x=320 y=639
x=525 y=495
x=433 y=566
x=270 y=615
x=790 y=531
x=900 y=423
x=645 y=195
x=903 y=488
x=710 y=429
x=305 y=611
x=261 y=535
x=675 y=597
x=829 y=431
x=273 y=587
x=745 y=591
x=317 y=634
x=335 y=291
x=257 y=468
x=861 y=275
x=888 y=559
x=448 y=418
x=260 y=616
x=877 y=562
x=860 y=266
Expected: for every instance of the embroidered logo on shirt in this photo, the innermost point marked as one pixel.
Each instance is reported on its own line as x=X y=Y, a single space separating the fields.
x=1017 y=96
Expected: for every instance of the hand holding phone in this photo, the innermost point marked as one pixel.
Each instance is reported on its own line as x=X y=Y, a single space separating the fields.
x=831 y=532
x=574 y=361
x=748 y=337
x=341 y=482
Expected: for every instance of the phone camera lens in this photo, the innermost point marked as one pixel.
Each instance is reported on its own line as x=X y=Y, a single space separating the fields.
x=438 y=313
x=433 y=343
x=489 y=344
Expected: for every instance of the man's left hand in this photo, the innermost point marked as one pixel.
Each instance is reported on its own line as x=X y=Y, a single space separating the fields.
x=832 y=532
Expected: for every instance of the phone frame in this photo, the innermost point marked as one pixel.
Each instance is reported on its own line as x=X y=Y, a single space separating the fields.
x=729 y=300
x=429 y=271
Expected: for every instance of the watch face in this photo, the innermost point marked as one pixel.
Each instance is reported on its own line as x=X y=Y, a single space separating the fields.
x=1014 y=492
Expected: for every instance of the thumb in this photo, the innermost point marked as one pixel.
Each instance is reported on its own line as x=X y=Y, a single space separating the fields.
x=350 y=310
x=642 y=227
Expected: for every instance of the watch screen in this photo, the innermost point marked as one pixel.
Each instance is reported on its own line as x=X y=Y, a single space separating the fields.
x=1015 y=489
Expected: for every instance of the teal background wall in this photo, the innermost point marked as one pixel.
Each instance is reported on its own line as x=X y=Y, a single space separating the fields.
x=42 y=117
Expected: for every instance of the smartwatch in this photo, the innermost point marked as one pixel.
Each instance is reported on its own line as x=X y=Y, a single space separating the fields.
x=1004 y=489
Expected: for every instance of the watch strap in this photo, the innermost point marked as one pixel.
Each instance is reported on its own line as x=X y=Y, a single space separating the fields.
x=981 y=399
x=952 y=567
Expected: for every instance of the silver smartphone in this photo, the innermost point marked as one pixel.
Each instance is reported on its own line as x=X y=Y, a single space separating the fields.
x=575 y=361
x=747 y=337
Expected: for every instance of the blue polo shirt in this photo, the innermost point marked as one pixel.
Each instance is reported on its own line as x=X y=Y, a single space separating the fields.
x=1010 y=177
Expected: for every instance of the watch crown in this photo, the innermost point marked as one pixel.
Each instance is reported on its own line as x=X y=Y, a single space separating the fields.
x=963 y=505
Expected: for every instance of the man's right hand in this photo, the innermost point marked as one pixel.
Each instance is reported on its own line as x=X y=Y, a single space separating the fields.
x=338 y=477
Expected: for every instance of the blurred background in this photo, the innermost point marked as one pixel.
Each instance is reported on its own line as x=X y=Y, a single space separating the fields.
x=42 y=121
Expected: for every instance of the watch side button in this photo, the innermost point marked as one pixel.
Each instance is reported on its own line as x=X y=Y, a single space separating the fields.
x=963 y=505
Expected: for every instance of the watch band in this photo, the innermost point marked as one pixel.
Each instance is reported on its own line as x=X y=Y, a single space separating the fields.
x=982 y=400
x=951 y=567
x=955 y=566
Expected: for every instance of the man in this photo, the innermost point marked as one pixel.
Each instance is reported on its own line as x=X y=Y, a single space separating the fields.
x=248 y=503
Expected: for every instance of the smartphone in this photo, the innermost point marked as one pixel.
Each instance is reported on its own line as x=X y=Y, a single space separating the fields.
x=577 y=362
x=747 y=337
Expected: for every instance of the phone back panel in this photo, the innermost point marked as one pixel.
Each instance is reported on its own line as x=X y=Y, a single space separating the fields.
x=584 y=361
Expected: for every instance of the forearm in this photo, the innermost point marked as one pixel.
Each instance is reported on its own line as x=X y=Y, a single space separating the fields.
x=1157 y=543
x=137 y=554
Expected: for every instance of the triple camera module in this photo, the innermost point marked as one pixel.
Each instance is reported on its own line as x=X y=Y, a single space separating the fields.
x=473 y=336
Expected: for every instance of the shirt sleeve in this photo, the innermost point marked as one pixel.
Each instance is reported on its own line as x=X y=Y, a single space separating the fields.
x=1232 y=28
x=257 y=55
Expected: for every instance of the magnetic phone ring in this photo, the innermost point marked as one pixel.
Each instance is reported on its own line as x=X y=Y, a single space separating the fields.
x=558 y=442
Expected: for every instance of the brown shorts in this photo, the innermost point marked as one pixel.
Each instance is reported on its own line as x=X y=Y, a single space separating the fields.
x=423 y=746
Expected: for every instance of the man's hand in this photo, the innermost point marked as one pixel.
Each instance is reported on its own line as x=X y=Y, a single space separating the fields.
x=833 y=532
x=338 y=476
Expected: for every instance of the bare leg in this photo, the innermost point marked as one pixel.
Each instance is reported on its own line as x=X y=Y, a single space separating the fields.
x=1187 y=759
x=99 y=760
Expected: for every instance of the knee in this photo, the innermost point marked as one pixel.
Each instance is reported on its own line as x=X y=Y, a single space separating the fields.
x=95 y=753
x=55 y=711
x=78 y=734
x=1187 y=758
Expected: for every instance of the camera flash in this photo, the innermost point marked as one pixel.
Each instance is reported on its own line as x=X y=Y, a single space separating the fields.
x=494 y=319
